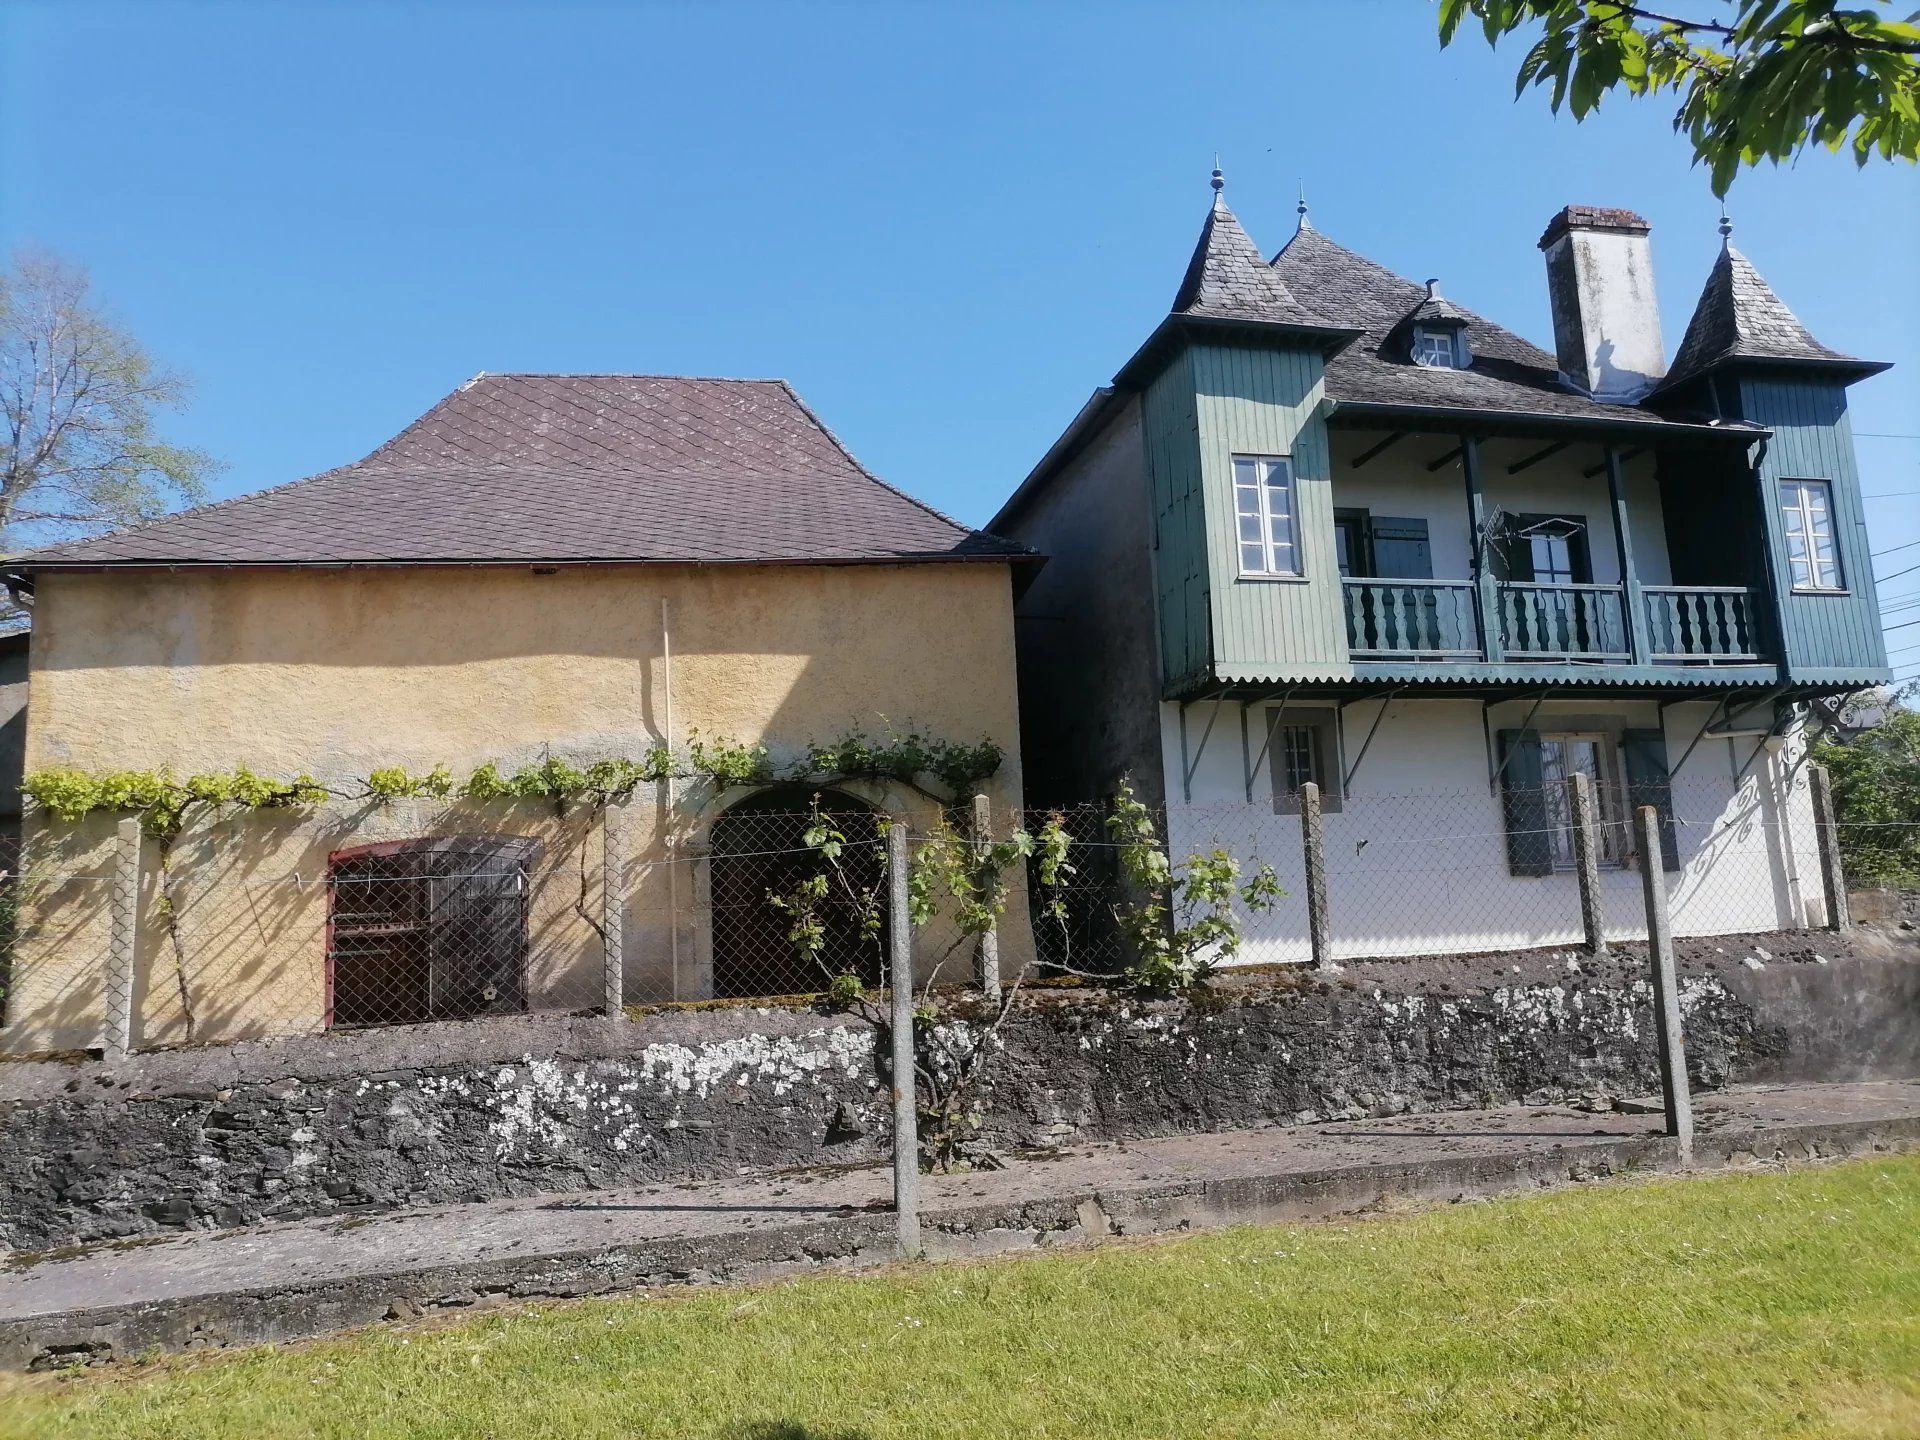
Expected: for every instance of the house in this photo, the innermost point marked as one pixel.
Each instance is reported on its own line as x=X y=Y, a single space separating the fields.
x=1329 y=524
x=542 y=568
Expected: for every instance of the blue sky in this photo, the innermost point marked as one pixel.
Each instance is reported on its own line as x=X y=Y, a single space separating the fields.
x=945 y=224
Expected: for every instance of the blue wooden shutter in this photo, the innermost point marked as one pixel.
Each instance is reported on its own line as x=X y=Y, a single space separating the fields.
x=1649 y=784
x=1400 y=549
x=1524 y=802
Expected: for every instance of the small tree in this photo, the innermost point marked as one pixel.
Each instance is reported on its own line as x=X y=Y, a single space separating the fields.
x=1185 y=920
x=78 y=398
x=1762 y=80
x=1876 y=799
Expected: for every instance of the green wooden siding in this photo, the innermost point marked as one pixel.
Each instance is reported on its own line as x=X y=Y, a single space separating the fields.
x=1179 y=524
x=1823 y=637
x=1267 y=402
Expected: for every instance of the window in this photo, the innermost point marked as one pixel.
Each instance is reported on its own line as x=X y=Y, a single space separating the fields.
x=1263 y=511
x=1561 y=758
x=1812 y=555
x=1352 y=543
x=1534 y=770
x=1548 y=550
x=1302 y=745
x=427 y=930
x=1435 y=348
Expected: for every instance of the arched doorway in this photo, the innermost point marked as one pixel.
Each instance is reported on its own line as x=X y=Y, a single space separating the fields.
x=759 y=849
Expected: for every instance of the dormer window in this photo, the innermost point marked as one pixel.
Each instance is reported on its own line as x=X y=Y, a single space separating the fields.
x=1436 y=347
x=1438 y=329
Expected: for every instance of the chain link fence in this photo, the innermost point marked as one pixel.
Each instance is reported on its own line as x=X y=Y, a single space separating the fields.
x=262 y=927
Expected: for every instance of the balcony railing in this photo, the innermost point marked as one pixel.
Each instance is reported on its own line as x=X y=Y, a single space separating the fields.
x=1411 y=617
x=1564 y=622
x=1702 y=624
x=1439 y=620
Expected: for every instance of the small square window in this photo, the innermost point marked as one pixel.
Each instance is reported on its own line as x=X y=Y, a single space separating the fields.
x=1302 y=745
x=1435 y=348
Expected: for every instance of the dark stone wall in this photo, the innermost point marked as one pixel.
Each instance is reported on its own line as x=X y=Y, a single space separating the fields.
x=346 y=1124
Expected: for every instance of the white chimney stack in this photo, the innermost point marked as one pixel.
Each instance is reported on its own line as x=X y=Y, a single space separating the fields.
x=1606 y=319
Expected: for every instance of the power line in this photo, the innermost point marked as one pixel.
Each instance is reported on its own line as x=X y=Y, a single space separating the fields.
x=1890 y=495
x=1882 y=579
x=1895 y=549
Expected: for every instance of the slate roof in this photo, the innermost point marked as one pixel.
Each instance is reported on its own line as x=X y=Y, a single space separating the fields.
x=1229 y=279
x=1508 y=374
x=1740 y=318
x=569 y=468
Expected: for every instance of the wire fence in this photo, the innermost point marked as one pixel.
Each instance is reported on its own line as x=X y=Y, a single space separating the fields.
x=467 y=912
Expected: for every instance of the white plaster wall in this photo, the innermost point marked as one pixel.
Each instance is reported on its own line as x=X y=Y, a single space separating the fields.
x=1417 y=860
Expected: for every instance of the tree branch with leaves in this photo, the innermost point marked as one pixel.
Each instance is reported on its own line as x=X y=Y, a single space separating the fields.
x=1770 y=79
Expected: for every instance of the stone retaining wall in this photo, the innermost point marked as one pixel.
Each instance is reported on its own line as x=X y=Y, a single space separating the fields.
x=353 y=1123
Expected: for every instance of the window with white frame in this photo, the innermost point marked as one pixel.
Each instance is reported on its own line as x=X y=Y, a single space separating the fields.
x=1806 y=506
x=1561 y=758
x=1435 y=347
x=1263 y=513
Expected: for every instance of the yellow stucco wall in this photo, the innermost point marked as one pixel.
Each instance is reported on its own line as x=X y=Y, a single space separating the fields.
x=336 y=673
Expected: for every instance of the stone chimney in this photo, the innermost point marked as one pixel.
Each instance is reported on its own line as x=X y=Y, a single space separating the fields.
x=1606 y=321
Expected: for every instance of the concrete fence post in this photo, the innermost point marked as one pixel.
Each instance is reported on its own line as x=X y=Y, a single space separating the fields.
x=906 y=1120
x=123 y=946
x=989 y=956
x=1586 y=855
x=613 y=910
x=1666 y=987
x=1833 y=876
x=1314 y=841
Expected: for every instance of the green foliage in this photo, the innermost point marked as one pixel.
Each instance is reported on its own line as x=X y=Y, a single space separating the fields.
x=906 y=758
x=71 y=794
x=845 y=990
x=1876 y=799
x=726 y=762
x=394 y=783
x=161 y=801
x=1760 y=83
x=1185 y=922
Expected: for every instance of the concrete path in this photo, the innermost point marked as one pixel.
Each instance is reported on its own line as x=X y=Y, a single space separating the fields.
x=310 y=1277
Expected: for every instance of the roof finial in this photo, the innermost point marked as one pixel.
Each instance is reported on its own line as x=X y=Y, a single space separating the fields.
x=1726 y=226
x=1301 y=208
x=1219 y=180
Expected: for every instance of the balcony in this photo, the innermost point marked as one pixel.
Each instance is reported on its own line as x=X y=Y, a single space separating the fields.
x=1440 y=620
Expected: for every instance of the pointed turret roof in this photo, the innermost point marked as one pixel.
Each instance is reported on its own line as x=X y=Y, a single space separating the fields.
x=1740 y=318
x=1228 y=278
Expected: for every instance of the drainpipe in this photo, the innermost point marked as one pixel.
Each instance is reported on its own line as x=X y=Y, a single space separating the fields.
x=666 y=814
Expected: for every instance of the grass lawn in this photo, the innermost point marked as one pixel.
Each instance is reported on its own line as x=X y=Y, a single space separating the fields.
x=1760 y=1304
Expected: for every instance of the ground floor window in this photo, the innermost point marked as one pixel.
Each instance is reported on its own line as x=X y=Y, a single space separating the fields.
x=431 y=929
x=1561 y=758
x=1302 y=746
x=1628 y=769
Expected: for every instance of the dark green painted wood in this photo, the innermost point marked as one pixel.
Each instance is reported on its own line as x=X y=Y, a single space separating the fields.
x=1523 y=800
x=1820 y=635
x=1266 y=400
x=1172 y=440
